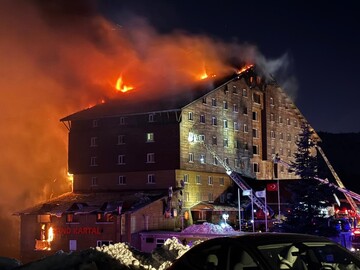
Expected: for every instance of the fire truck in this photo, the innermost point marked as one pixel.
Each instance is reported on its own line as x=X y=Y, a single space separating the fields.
x=349 y=195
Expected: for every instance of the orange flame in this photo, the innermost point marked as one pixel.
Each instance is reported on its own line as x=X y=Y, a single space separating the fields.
x=121 y=87
x=244 y=68
x=205 y=74
x=50 y=234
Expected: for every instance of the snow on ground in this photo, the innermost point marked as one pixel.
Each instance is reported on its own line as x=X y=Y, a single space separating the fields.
x=118 y=256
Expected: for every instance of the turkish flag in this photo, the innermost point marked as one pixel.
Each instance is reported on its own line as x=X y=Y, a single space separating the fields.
x=272 y=187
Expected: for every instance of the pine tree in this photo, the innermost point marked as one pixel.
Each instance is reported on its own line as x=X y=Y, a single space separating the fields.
x=309 y=196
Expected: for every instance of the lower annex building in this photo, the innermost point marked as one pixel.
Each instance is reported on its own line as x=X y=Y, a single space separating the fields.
x=146 y=165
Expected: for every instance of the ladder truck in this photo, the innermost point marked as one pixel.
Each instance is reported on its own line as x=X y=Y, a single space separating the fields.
x=349 y=195
x=239 y=181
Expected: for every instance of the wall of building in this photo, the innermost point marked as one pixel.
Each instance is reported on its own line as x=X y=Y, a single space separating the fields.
x=134 y=181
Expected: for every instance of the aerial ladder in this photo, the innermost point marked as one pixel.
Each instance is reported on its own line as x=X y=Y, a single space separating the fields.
x=349 y=195
x=239 y=181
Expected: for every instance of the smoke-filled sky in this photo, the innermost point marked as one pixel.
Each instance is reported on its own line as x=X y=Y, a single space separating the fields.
x=58 y=57
x=316 y=42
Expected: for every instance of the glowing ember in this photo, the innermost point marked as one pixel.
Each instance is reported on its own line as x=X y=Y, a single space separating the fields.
x=121 y=87
x=244 y=69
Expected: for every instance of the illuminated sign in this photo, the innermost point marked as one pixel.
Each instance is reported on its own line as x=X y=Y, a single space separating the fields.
x=77 y=230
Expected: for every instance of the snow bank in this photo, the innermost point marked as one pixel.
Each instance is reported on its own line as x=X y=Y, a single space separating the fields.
x=122 y=255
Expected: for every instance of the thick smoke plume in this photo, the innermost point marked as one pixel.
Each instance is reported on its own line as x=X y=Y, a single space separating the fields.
x=58 y=57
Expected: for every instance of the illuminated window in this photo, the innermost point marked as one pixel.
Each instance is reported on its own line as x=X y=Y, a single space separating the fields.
x=202 y=118
x=105 y=217
x=256 y=167
x=93 y=142
x=202 y=159
x=70 y=218
x=213 y=102
x=190 y=116
x=121 y=139
x=235 y=108
x=121 y=160
x=95 y=123
x=214 y=121
x=191 y=157
x=198 y=179
x=150 y=137
x=151 y=179
x=46 y=236
x=94 y=181
x=210 y=180
x=225 y=105
x=151 y=117
x=150 y=158
x=93 y=161
x=225 y=124
x=186 y=178
x=255 y=149
x=122 y=180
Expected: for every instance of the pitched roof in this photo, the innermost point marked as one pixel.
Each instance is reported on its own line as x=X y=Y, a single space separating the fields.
x=86 y=203
x=140 y=103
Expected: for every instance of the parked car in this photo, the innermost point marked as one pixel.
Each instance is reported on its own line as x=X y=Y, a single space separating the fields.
x=268 y=251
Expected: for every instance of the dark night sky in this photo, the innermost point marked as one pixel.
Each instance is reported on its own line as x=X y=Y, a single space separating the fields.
x=319 y=38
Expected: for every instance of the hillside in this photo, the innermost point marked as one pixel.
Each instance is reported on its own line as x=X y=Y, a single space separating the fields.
x=343 y=152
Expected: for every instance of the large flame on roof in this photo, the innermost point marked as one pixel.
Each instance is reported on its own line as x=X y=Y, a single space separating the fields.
x=120 y=86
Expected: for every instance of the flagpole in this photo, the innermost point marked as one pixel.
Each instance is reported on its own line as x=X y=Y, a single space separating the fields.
x=266 y=212
x=239 y=209
x=252 y=210
x=278 y=190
